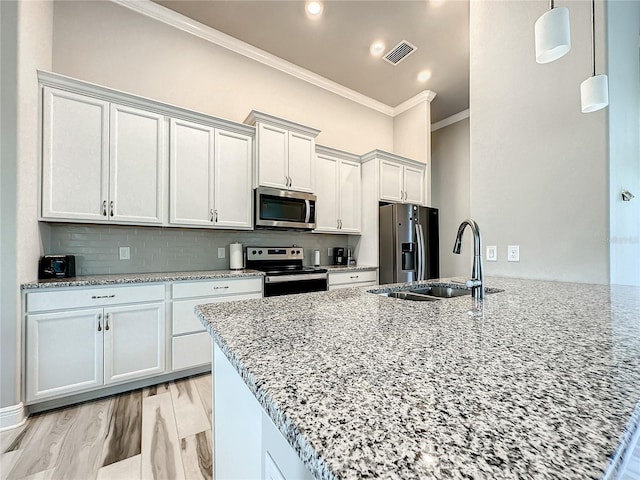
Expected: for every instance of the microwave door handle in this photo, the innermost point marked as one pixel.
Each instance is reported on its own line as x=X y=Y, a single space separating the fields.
x=307 y=217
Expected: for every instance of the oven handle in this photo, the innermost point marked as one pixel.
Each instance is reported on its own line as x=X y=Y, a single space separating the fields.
x=295 y=278
x=307 y=204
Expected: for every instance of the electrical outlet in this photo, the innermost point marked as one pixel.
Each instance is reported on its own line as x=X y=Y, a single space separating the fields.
x=221 y=252
x=513 y=253
x=329 y=252
x=492 y=253
x=125 y=253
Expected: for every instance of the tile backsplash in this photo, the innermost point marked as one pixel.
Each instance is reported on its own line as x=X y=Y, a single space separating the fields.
x=161 y=249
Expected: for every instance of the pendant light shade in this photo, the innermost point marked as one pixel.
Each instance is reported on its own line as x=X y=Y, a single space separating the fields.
x=552 y=34
x=594 y=93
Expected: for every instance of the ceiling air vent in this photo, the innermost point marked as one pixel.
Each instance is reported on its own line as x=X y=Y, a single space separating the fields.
x=399 y=52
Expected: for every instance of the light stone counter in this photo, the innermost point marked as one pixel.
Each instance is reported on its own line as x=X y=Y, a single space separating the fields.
x=130 y=278
x=538 y=381
x=349 y=268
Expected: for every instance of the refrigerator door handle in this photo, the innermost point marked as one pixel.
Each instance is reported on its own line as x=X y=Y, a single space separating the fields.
x=421 y=252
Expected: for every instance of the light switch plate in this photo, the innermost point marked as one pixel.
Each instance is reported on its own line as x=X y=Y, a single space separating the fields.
x=513 y=253
x=492 y=253
x=125 y=253
x=329 y=252
x=221 y=252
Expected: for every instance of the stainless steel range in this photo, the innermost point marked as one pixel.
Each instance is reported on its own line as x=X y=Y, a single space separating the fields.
x=285 y=273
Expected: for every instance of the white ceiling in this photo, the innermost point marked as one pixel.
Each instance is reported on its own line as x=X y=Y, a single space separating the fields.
x=336 y=46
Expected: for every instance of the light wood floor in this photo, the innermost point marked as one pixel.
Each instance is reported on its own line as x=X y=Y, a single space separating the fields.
x=160 y=432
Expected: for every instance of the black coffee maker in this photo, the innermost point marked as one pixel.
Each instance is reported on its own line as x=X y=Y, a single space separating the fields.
x=339 y=256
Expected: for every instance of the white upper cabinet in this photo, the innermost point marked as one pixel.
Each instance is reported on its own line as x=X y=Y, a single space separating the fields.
x=210 y=176
x=101 y=162
x=399 y=179
x=285 y=153
x=137 y=166
x=339 y=191
x=75 y=156
x=191 y=174
x=232 y=175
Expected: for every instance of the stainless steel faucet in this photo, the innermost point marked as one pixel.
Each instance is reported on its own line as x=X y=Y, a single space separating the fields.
x=477 y=277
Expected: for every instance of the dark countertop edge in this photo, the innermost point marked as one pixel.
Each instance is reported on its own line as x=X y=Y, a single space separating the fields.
x=316 y=464
x=132 y=278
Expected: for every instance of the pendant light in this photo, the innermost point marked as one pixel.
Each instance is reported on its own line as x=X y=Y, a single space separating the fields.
x=552 y=34
x=594 y=91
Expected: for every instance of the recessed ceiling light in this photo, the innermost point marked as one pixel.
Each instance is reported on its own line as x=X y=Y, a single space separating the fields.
x=424 y=75
x=314 y=8
x=377 y=48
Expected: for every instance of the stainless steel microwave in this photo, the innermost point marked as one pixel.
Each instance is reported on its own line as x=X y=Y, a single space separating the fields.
x=285 y=209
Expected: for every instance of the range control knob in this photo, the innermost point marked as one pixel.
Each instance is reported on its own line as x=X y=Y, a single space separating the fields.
x=298 y=252
x=254 y=252
x=260 y=252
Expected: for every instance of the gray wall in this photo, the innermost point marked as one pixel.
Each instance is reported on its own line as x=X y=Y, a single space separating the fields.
x=539 y=167
x=624 y=142
x=155 y=249
x=450 y=194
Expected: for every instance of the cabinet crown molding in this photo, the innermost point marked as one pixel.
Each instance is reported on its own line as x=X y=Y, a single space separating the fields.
x=382 y=155
x=75 y=85
x=334 y=152
x=261 y=117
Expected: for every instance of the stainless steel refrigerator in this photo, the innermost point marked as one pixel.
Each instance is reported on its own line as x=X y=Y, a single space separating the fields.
x=408 y=239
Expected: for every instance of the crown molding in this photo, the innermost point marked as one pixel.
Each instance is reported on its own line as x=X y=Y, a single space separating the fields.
x=177 y=20
x=445 y=122
x=423 y=96
x=378 y=154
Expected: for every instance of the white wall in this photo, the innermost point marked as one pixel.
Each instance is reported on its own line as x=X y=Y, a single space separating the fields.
x=108 y=44
x=624 y=142
x=450 y=194
x=539 y=167
x=31 y=25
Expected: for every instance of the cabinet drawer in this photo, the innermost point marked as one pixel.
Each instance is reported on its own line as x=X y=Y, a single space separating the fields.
x=214 y=288
x=184 y=318
x=351 y=285
x=191 y=350
x=359 y=276
x=56 y=299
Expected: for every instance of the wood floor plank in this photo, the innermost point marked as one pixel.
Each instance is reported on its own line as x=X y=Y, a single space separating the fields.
x=45 y=443
x=155 y=389
x=43 y=475
x=17 y=438
x=189 y=411
x=197 y=457
x=124 y=429
x=7 y=461
x=203 y=384
x=161 y=459
x=128 y=469
x=81 y=453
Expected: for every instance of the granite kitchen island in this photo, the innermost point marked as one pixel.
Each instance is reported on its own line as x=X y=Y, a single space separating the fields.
x=541 y=380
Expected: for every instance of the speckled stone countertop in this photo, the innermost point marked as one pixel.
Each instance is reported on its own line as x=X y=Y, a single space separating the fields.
x=538 y=381
x=348 y=268
x=126 y=278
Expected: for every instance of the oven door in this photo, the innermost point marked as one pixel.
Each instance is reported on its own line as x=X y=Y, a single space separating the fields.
x=285 y=209
x=289 y=284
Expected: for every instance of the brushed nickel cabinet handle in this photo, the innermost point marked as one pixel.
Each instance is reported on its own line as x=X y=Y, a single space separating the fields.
x=99 y=318
x=106 y=322
x=111 y=208
x=354 y=276
x=211 y=215
x=103 y=296
x=104 y=208
x=219 y=288
x=216 y=213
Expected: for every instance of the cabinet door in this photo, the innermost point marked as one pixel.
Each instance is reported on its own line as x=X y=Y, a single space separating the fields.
x=191 y=174
x=327 y=193
x=134 y=342
x=75 y=156
x=391 y=181
x=414 y=185
x=63 y=353
x=350 y=197
x=273 y=152
x=136 y=173
x=301 y=162
x=232 y=178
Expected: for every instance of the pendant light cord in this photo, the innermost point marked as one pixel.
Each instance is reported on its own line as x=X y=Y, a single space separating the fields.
x=593 y=35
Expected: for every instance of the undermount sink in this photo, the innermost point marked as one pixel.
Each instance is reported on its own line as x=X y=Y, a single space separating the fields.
x=432 y=293
x=442 y=291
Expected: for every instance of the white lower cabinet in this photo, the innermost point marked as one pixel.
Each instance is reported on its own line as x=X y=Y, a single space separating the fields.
x=191 y=343
x=74 y=350
x=358 y=278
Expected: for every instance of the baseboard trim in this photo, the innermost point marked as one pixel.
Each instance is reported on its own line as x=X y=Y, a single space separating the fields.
x=12 y=417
